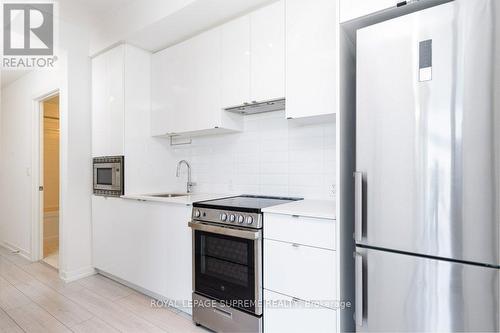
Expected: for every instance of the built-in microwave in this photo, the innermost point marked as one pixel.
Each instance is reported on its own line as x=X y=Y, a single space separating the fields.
x=108 y=176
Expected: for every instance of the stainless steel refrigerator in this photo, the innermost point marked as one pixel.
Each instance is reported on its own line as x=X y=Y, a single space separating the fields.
x=427 y=178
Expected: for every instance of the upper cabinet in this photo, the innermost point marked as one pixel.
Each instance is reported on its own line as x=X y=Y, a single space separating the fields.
x=253 y=57
x=243 y=61
x=120 y=88
x=350 y=10
x=236 y=62
x=108 y=100
x=267 y=54
x=186 y=89
x=311 y=58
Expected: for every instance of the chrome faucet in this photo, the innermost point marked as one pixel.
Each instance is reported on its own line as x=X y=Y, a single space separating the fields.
x=189 y=184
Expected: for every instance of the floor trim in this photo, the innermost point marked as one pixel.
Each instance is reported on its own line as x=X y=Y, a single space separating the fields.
x=77 y=274
x=14 y=249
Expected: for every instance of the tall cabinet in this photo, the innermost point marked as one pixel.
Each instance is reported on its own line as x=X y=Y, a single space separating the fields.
x=108 y=102
x=120 y=88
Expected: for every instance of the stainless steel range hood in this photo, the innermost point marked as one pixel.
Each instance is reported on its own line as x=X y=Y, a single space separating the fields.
x=258 y=107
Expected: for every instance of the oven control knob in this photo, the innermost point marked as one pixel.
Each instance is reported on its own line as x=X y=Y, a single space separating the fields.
x=197 y=213
x=232 y=218
x=249 y=220
x=223 y=216
x=241 y=219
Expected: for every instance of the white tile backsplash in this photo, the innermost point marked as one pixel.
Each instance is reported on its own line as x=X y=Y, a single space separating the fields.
x=273 y=156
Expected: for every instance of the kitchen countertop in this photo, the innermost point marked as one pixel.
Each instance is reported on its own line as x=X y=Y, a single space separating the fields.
x=325 y=209
x=184 y=200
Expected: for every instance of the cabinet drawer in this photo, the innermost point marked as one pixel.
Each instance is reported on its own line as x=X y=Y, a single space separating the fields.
x=301 y=230
x=300 y=271
x=288 y=315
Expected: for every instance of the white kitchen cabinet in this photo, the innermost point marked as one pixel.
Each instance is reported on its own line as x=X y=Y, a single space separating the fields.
x=267 y=40
x=316 y=232
x=284 y=314
x=186 y=89
x=311 y=58
x=300 y=268
x=120 y=85
x=108 y=99
x=236 y=62
x=300 y=271
x=350 y=10
x=146 y=244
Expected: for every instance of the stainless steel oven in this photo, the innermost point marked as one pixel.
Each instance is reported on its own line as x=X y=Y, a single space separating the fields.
x=227 y=262
x=108 y=175
x=227 y=277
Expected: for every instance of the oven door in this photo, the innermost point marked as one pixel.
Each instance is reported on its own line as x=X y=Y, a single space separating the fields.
x=107 y=176
x=228 y=265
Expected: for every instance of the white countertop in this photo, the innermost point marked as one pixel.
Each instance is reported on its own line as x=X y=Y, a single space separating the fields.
x=184 y=200
x=324 y=209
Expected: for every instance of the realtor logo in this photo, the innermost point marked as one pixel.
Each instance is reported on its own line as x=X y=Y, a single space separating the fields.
x=29 y=34
x=28 y=29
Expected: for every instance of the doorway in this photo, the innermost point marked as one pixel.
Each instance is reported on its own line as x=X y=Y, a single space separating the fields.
x=50 y=178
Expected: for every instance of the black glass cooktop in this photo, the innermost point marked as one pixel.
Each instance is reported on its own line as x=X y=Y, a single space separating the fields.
x=244 y=203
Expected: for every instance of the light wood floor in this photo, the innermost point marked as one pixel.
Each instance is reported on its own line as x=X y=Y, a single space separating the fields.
x=34 y=299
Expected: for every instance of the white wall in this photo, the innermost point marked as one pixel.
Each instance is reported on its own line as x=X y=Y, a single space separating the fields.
x=16 y=135
x=273 y=156
x=72 y=78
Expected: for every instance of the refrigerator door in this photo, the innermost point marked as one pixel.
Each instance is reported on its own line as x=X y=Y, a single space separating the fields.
x=427 y=134
x=403 y=293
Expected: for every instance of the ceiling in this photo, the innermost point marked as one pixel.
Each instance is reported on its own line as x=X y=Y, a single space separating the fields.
x=10 y=76
x=100 y=5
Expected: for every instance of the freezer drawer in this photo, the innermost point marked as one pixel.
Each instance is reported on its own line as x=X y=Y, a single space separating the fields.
x=397 y=292
x=427 y=134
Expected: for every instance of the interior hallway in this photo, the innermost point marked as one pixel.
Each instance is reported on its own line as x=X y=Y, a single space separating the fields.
x=34 y=299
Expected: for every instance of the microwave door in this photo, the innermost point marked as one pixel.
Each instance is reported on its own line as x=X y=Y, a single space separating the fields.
x=107 y=176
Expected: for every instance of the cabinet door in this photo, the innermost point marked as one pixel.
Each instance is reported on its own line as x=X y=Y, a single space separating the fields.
x=284 y=314
x=108 y=103
x=235 y=54
x=311 y=58
x=350 y=10
x=204 y=52
x=115 y=81
x=304 y=272
x=99 y=107
x=267 y=27
x=171 y=94
x=187 y=86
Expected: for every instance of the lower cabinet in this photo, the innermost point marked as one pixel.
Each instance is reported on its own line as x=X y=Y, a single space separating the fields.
x=300 y=274
x=285 y=314
x=147 y=244
x=301 y=271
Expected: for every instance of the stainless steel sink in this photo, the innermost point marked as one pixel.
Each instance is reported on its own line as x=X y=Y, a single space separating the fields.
x=169 y=195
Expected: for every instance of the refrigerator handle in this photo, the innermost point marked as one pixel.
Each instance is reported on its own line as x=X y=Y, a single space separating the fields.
x=358 y=309
x=358 y=206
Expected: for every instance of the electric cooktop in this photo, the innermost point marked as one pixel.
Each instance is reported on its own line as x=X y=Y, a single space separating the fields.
x=245 y=203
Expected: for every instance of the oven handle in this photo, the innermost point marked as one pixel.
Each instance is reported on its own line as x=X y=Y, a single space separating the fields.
x=228 y=231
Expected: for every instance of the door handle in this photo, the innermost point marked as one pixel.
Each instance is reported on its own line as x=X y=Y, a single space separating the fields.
x=358 y=206
x=358 y=309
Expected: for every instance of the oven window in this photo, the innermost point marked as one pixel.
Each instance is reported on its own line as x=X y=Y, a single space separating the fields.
x=224 y=268
x=105 y=176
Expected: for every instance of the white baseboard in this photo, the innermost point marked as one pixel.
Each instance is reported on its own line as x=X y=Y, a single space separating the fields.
x=22 y=252
x=69 y=276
